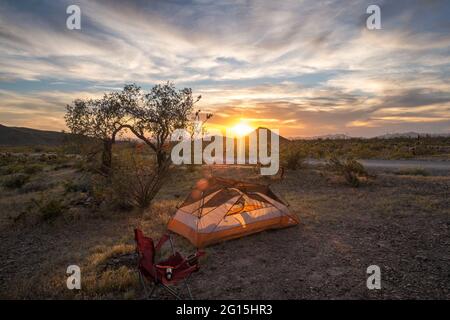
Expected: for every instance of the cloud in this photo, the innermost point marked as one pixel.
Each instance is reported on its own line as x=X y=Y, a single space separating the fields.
x=44 y=110
x=311 y=65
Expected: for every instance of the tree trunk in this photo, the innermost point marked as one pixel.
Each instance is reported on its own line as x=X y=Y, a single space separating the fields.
x=161 y=158
x=107 y=156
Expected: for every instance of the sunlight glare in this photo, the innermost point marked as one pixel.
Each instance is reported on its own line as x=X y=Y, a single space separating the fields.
x=242 y=129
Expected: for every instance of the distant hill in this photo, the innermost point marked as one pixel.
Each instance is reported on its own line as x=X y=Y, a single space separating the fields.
x=412 y=135
x=281 y=138
x=338 y=136
x=17 y=136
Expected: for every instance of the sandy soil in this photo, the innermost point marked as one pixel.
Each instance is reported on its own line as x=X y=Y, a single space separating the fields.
x=400 y=223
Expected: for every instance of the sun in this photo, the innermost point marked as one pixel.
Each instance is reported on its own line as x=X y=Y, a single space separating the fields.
x=241 y=129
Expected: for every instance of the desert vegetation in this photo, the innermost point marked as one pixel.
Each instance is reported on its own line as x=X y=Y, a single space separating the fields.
x=352 y=170
x=75 y=215
x=376 y=148
x=78 y=203
x=133 y=177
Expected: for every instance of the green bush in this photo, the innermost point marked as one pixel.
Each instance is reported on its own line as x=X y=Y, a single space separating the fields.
x=50 y=209
x=21 y=168
x=16 y=181
x=11 y=169
x=33 y=169
x=62 y=166
x=80 y=185
x=35 y=186
x=350 y=169
x=373 y=148
x=293 y=159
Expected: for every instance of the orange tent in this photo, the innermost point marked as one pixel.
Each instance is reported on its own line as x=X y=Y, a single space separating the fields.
x=220 y=209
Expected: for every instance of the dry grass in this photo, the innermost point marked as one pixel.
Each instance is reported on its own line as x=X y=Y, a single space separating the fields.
x=342 y=230
x=104 y=253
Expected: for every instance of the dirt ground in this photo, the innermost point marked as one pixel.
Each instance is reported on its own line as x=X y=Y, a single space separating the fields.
x=398 y=222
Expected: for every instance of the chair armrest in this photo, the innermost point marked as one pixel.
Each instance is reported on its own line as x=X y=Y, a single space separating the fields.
x=160 y=266
x=163 y=240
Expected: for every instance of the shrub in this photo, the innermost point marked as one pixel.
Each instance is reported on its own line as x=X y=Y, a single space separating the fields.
x=11 y=169
x=136 y=180
x=35 y=186
x=20 y=168
x=80 y=185
x=33 y=169
x=293 y=159
x=62 y=166
x=5 y=159
x=350 y=169
x=50 y=209
x=16 y=181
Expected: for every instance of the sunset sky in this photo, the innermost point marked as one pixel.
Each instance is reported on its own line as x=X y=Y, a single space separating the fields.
x=305 y=67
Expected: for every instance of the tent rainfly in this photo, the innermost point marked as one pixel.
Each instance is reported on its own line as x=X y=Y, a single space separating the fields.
x=220 y=209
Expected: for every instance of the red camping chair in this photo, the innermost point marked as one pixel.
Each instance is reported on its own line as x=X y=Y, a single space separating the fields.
x=166 y=273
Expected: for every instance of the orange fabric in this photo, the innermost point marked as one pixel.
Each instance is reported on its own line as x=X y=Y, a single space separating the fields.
x=254 y=207
x=237 y=208
x=183 y=230
x=201 y=240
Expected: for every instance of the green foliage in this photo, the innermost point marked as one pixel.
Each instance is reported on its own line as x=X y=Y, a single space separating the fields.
x=79 y=185
x=350 y=169
x=50 y=209
x=33 y=169
x=35 y=186
x=11 y=169
x=29 y=169
x=292 y=159
x=15 y=181
x=375 y=148
x=151 y=117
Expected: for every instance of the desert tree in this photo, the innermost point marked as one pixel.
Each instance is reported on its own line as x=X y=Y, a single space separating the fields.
x=103 y=118
x=152 y=118
x=196 y=127
x=161 y=111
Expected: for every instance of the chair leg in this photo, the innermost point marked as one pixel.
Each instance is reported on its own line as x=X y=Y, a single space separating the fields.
x=144 y=286
x=187 y=286
x=172 y=292
x=149 y=297
x=169 y=289
x=188 y=289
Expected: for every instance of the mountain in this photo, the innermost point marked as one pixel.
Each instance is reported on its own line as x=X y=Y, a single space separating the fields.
x=338 y=136
x=281 y=138
x=17 y=136
x=411 y=134
x=399 y=135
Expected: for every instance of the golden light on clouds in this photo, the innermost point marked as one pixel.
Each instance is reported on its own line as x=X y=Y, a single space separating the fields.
x=291 y=75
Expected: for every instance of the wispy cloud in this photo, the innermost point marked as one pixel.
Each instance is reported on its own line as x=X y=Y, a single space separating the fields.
x=310 y=65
